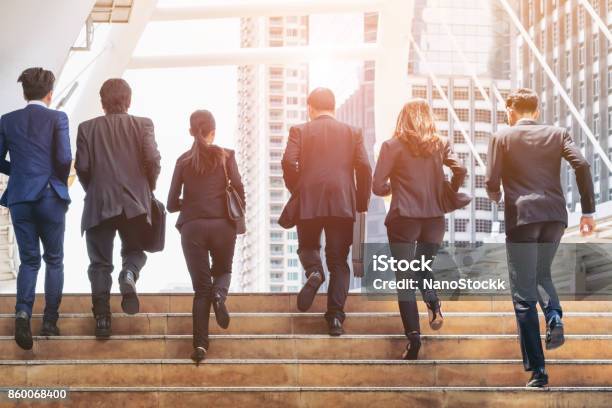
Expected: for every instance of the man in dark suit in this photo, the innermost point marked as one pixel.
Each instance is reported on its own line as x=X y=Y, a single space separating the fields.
x=326 y=164
x=117 y=163
x=526 y=159
x=37 y=140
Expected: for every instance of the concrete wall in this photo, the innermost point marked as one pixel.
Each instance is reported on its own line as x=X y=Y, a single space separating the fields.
x=35 y=33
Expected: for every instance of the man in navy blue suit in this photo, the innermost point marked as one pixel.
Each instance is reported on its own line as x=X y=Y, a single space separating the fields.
x=37 y=141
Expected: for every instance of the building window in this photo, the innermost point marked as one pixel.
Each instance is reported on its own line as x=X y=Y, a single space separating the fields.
x=581 y=55
x=441 y=114
x=276 y=263
x=582 y=93
x=276 y=236
x=480 y=181
x=293 y=276
x=596 y=86
x=419 y=91
x=568 y=26
x=461 y=93
x=461 y=225
x=595 y=46
x=483 y=225
x=482 y=204
x=483 y=115
x=463 y=115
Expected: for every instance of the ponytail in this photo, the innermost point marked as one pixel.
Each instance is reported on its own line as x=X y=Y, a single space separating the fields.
x=203 y=156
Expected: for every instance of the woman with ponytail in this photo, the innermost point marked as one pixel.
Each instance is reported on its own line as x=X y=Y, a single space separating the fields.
x=410 y=166
x=201 y=177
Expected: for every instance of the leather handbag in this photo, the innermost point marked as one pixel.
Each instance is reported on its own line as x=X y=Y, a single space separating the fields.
x=155 y=234
x=453 y=200
x=235 y=205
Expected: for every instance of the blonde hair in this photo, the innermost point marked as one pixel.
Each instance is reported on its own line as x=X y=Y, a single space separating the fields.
x=417 y=128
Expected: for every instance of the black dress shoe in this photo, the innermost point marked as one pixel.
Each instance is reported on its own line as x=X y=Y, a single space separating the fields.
x=554 y=333
x=538 y=379
x=221 y=313
x=308 y=292
x=23 y=333
x=436 y=320
x=413 y=346
x=49 y=328
x=335 y=327
x=199 y=354
x=103 y=326
x=127 y=287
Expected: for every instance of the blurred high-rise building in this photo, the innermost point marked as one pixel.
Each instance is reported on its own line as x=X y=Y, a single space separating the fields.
x=271 y=99
x=581 y=58
x=482 y=38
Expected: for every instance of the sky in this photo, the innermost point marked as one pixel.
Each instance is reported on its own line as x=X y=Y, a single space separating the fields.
x=169 y=96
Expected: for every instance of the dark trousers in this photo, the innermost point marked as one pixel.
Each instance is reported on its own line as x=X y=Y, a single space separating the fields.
x=100 y=240
x=338 y=240
x=411 y=238
x=202 y=240
x=35 y=222
x=531 y=249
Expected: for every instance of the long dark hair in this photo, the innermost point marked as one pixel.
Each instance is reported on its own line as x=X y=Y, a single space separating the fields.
x=416 y=127
x=203 y=156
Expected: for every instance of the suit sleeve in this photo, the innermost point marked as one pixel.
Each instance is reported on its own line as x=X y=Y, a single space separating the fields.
x=363 y=173
x=5 y=166
x=382 y=173
x=581 y=167
x=457 y=168
x=82 y=163
x=151 y=156
x=175 y=202
x=234 y=175
x=63 y=154
x=291 y=159
x=494 y=167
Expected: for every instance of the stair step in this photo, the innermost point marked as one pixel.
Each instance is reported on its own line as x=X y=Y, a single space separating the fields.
x=286 y=302
x=385 y=347
x=311 y=323
x=391 y=397
x=301 y=373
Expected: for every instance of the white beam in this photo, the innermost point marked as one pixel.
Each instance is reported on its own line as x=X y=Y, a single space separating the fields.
x=111 y=63
x=250 y=56
x=257 y=8
x=391 y=88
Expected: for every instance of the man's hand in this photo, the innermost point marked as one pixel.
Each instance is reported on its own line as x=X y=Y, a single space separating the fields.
x=495 y=196
x=587 y=225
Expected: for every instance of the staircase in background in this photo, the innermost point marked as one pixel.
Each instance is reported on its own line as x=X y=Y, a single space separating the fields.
x=8 y=255
x=274 y=357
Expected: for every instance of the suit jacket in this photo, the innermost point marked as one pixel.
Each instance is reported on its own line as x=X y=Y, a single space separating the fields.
x=117 y=163
x=526 y=159
x=37 y=140
x=203 y=195
x=417 y=183
x=325 y=162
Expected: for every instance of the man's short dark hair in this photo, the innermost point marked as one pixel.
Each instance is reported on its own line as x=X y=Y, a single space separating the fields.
x=36 y=83
x=322 y=99
x=523 y=100
x=116 y=95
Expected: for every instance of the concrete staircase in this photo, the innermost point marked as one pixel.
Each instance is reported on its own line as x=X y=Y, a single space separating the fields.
x=272 y=356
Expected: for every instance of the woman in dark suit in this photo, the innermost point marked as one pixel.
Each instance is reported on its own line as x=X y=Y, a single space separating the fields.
x=201 y=175
x=410 y=166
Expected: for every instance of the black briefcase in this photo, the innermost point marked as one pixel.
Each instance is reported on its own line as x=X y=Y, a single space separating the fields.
x=155 y=234
x=291 y=212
